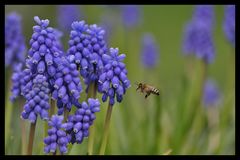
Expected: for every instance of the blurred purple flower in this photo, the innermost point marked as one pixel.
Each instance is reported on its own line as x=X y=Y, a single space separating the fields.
x=57 y=137
x=17 y=82
x=14 y=41
x=198 y=38
x=229 y=23
x=78 y=124
x=113 y=81
x=131 y=15
x=150 y=51
x=204 y=14
x=108 y=23
x=67 y=14
x=211 y=94
x=58 y=35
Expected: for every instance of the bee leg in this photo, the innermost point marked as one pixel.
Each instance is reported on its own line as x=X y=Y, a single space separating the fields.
x=147 y=95
x=137 y=88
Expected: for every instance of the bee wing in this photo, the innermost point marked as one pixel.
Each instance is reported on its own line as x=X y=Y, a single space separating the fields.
x=136 y=83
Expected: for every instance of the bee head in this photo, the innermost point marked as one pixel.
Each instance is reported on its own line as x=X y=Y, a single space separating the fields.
x=138 y=84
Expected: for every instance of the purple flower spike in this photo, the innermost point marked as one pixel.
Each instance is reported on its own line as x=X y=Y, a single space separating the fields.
x=86 y=47
x=57 y=137
x=198 y=38
x=211 y=94
x=150 y=51
x=229 y=23
x=17 y=82
x=77 y=126
x=67 y=85
x=113 y=81
x=131 y=15
x=45 y=51
x=205 y=15
x=14 y=41
x=37 y=101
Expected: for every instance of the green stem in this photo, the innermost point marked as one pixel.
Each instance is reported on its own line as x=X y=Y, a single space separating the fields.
x=23 y=129
x=158 y=124
x=8 y=80
x=231 y=73
x=52 y=108
x=191 y=105
x=225 y=113
x=51 y=112
x=66 y=113
x=69 y=148
x=31 y=138
x=225 y=116
x=106 y=130
x=8 y=107
x=92 y=93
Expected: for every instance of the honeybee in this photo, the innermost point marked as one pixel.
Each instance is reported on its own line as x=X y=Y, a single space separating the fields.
x=145 y=88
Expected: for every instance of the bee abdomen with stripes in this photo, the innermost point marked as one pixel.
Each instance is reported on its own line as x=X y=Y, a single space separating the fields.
x=155 y=91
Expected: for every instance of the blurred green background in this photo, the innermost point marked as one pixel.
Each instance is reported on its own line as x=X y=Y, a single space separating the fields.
x=133 y=128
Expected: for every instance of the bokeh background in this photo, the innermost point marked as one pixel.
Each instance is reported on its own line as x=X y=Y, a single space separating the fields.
x=138 y=125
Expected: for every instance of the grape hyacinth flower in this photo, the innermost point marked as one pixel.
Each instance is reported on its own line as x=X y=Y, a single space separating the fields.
x=131 y=15
x=198 y=38
x=78 y=124
x=14 y=41
x=204 y=14
x=150 y=51
x=57 y=137
x=66 y=15
x=44 y=54
x=211 y=94
x=87 y=45
x=37 y=99
x=17 y=82
x=113 y=82
x=67 y=85
x=229 y=23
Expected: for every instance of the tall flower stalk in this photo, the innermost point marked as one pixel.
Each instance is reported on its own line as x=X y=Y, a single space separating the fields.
x=113 y=83
x=229 y=103
x=42 y=62
x=106 y=129
x=51 y=76
x=92 y=92
x=229 y=31
x=14 y=41
x=86 y=47
x=198 y=41
x=15 y=51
